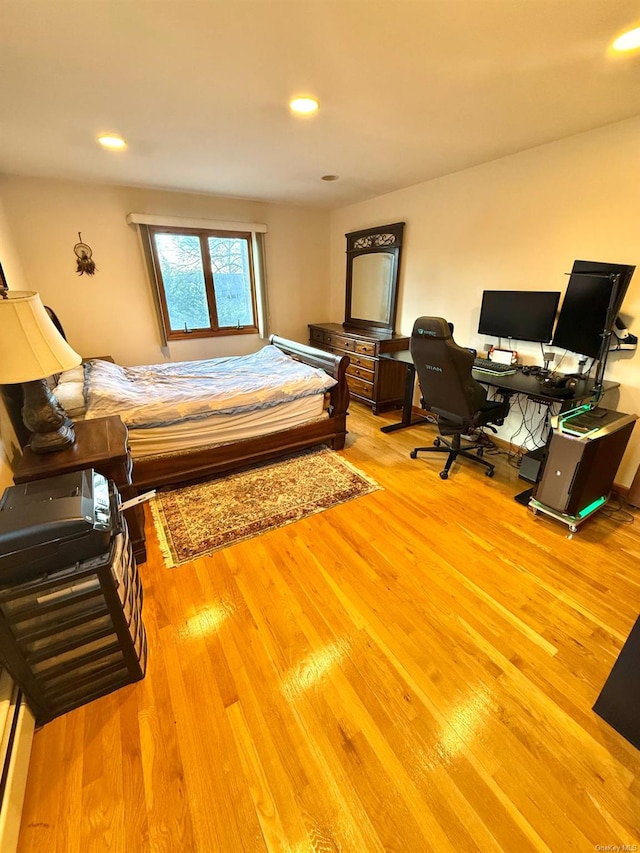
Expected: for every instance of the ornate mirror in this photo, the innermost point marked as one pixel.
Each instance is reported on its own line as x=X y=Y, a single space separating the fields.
x=373 y=263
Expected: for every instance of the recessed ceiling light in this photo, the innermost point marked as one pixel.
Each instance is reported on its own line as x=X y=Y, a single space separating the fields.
x=303 y=106
x=628 y=41
x=112 y=141
x=330 y=178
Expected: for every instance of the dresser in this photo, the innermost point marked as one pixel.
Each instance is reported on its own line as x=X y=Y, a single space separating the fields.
x=377 y=382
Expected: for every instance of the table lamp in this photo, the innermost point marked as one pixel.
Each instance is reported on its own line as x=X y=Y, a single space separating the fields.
x=31 y=350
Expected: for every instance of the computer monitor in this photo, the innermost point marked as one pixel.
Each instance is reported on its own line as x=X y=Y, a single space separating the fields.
x=524 y=315
x=590 y=306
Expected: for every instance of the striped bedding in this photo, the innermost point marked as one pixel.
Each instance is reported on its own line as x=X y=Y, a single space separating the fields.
x=162 y=394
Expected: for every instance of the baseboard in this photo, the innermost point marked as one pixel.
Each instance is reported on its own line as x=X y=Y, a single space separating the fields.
x=16 y=734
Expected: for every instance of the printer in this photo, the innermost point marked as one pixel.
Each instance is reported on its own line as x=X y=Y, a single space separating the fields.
x=49 y=524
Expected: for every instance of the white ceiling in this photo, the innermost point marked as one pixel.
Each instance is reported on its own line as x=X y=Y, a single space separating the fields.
x=409 y=89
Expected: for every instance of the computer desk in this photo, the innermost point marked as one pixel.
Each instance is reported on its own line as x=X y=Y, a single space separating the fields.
x=528 y=385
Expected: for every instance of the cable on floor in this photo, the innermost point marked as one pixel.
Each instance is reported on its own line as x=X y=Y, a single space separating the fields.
x=616 y=506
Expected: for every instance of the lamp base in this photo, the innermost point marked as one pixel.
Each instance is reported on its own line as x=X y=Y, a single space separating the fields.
x=45 y=418
x=48 y=442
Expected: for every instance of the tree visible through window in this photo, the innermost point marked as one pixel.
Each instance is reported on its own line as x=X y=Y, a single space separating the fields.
x=206 y=281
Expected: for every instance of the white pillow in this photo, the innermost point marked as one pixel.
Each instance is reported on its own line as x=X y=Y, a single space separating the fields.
x=71 y=396
x=76 y=374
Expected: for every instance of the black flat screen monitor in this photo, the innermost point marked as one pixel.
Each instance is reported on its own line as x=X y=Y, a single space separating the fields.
x=524 y=315
x=590 y=306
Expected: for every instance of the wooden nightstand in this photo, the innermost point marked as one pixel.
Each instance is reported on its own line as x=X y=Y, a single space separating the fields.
x=101 y=444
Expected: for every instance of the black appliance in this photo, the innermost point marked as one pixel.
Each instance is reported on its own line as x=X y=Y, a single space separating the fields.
x=51 y=523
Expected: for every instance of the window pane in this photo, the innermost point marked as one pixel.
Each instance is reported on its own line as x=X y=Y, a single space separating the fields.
x=183 y=277
x=232 y=280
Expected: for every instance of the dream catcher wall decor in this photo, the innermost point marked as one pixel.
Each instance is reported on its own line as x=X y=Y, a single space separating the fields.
x=84 y=263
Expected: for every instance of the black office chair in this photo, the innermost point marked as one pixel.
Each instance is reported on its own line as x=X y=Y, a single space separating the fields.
x=449 y=391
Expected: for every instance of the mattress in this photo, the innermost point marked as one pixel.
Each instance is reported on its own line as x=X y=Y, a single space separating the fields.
x=224 y=429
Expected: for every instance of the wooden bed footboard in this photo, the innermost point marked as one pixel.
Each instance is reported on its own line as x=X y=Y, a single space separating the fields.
x=194 y=464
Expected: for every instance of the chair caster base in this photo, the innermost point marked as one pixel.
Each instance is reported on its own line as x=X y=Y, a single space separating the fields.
x=444 y=475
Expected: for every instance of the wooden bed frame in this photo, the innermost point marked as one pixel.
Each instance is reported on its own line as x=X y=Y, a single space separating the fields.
x=180 y=467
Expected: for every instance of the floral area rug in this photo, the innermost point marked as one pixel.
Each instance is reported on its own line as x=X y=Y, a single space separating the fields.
x=197 y=520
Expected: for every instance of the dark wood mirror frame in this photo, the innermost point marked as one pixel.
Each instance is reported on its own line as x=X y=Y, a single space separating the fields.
x=377 y=300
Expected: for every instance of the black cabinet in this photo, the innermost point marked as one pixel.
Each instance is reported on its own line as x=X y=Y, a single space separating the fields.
x=72 y=635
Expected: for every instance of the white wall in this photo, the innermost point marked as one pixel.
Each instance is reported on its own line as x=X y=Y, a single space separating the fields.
x=519 y=222
x=112 y=312
x=515 y=223
x=15 y=277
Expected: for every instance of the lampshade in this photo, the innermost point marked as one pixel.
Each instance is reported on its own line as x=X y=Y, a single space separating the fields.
x=30 y=345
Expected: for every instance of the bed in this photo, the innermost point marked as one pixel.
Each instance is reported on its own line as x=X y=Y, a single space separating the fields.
x=190 y=420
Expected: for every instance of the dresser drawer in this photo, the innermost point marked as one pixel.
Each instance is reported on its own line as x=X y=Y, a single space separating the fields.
x=332 y=340
x=339 y=341
x=362 y=361
x=360 y=372
x=365 y=347
x=360 y=387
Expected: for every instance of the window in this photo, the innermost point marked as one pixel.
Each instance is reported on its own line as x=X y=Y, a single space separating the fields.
x=206 y=281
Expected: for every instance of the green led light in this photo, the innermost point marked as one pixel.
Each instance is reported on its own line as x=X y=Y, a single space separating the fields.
x=592 y=507
x=564 y=416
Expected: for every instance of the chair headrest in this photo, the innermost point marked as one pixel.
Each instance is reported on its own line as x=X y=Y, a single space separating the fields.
x=435 y=328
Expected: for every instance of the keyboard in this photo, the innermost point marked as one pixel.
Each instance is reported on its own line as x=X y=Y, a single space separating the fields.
x=485 y=365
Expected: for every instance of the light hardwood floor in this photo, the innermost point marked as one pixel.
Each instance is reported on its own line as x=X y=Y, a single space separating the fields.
x=410 y=671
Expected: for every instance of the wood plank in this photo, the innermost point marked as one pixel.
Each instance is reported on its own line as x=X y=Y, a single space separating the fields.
x=411 y=670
